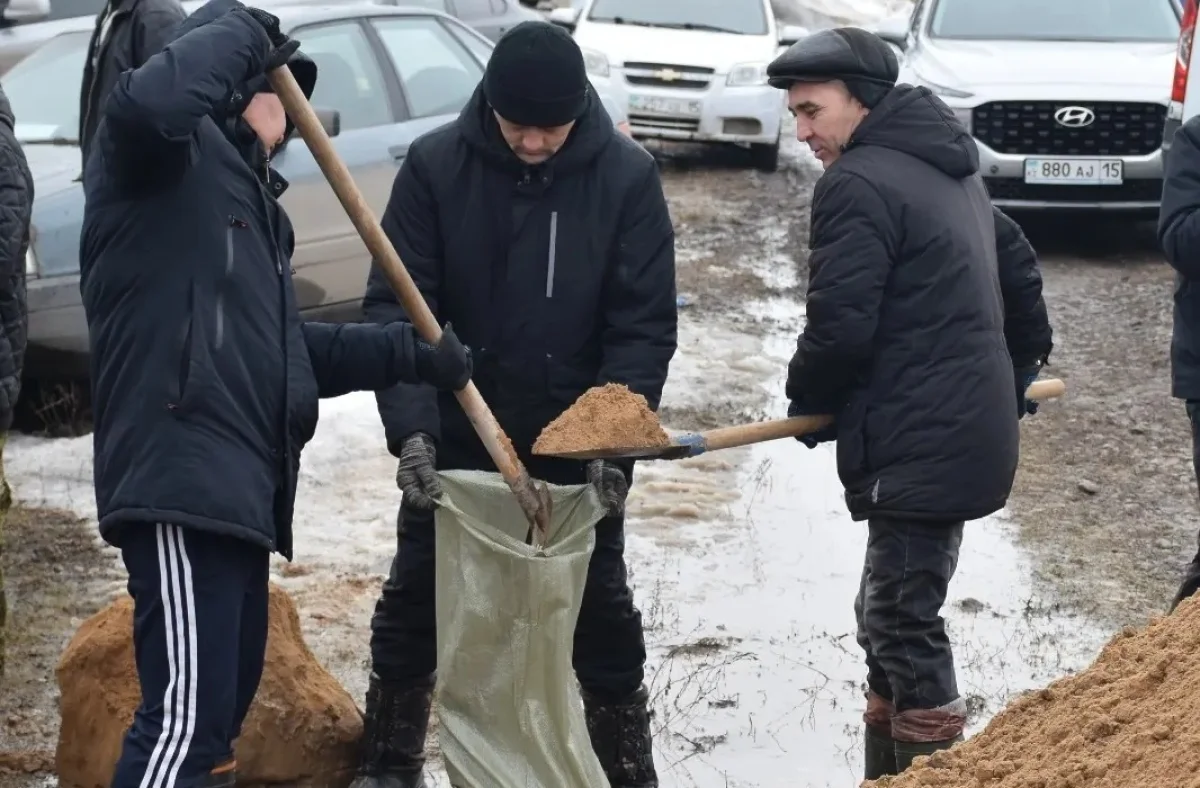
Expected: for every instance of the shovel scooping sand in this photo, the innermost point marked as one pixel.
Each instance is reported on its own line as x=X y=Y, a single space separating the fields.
x=612 y=422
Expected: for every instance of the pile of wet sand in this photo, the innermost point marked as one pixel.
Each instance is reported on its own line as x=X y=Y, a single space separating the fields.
x=1131 y=720
x=605 y=417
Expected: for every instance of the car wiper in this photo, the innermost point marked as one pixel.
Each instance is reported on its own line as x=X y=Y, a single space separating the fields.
x=50 y=141
x=699 y=26
x=620 y=20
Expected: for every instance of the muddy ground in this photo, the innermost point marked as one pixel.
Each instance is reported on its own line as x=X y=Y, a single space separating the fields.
x=1105 y=495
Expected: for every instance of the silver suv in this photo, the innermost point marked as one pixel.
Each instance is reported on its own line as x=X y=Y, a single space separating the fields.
x=1067 y=99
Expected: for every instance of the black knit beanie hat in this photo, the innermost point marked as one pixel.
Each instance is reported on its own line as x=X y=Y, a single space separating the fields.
x=536 y=76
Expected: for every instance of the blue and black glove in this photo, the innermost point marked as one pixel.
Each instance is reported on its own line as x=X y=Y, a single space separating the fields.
x=812 y=439
x=1025 y=377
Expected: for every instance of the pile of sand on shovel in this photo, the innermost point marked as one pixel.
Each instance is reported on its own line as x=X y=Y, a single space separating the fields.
x=1131 y=720
x=606 y=417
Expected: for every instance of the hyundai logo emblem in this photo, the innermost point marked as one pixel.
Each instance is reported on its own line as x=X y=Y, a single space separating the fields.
x=1075 y=117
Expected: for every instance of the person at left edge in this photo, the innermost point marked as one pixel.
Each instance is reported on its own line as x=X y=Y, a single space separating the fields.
x=205 y=378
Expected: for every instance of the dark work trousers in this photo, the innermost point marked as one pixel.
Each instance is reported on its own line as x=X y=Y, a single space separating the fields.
x=905 y=578
x=1191 y=575
x=199 y=636
x=609 y=650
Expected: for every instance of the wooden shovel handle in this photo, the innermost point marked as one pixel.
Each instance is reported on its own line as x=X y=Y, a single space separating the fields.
x=746 y=434
x=490 y=432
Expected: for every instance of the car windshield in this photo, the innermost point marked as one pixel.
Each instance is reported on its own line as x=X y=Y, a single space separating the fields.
x=1056 y=20
x=44 y=91
x=746 y=17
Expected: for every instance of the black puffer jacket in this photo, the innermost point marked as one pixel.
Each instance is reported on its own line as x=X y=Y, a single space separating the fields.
x=905 y=331
x=1179 y=234
x=1026 y=324
x=205 y=378
x=136 y=30
x=16 y=207
x=559 y=277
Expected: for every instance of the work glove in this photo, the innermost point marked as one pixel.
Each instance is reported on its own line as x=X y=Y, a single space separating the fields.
x=446 y=366
x=282 y=47
x=1025 y=377
x=610 y=484
x=812 y=439
x=416 y=475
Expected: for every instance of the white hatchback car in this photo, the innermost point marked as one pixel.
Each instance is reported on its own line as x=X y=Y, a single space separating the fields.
x=690 y=70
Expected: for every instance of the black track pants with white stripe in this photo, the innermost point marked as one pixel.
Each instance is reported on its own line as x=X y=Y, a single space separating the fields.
x=200 y=634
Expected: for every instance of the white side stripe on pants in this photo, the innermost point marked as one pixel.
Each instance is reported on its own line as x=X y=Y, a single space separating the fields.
x=179 y=620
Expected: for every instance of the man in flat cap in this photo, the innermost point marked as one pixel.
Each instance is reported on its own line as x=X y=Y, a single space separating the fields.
x=905 y=343
x=542 y=232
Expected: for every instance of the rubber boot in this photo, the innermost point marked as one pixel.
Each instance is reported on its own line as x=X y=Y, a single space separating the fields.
x=620 y=734
x=394 y=728
x=907 y=751
x=879 y=750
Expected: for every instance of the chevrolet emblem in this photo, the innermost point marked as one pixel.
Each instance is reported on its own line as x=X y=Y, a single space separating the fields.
x=668 y=75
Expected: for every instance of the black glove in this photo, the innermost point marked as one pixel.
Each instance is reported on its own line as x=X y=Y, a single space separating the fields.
x=1024 y=377
x=610 y=484
x=447 y=366
x=812 y=439
x=416 y=475
x=282 y=47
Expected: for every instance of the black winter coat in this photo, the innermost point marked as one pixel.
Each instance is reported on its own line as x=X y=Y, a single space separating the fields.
x=1179 y=235
x=559 y=277
x=137 y=30
x=205 y=378
x=16 y=207
x=1026 y=325
x=904 y=338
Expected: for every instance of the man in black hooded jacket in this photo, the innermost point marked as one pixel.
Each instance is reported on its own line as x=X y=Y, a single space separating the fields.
x=904 y=342
x=543 y=234
x=205 y=378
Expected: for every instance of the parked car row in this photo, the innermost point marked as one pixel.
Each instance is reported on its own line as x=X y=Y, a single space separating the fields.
x=1068 y=100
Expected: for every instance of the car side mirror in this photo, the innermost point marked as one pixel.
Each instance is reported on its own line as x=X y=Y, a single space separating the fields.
x=331 y=121
x=25 y=11
x=790 y=34
x=894 y=31
x=564 y=17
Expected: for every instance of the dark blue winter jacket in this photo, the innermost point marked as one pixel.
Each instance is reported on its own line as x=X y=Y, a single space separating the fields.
x=205 y=378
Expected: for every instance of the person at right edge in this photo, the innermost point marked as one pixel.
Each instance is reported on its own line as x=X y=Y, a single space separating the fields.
x=1179 y=236
x=905 y=321
x=542 y=233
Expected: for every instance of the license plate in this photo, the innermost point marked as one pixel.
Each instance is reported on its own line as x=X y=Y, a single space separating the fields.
x=659 y=105
x=1075 y=172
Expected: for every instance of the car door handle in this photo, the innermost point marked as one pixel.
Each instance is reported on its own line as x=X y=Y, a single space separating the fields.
x=398 y=152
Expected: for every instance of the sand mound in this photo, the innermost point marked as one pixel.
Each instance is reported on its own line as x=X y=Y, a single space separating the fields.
x=303 y=727
x=605 y=417
x=1131 y=720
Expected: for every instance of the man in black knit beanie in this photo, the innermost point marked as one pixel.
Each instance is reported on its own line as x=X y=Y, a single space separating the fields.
x=543 y=233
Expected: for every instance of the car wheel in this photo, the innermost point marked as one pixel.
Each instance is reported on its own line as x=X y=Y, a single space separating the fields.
x=765 y=158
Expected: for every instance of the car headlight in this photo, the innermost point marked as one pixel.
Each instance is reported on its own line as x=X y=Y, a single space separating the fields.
x=746 y=74
x=595 y=62
x=31 y=263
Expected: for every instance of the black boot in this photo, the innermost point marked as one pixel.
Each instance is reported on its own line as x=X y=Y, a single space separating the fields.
x=394 y=728
x=907 y=752
x=620 y=735
x=880 y=753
